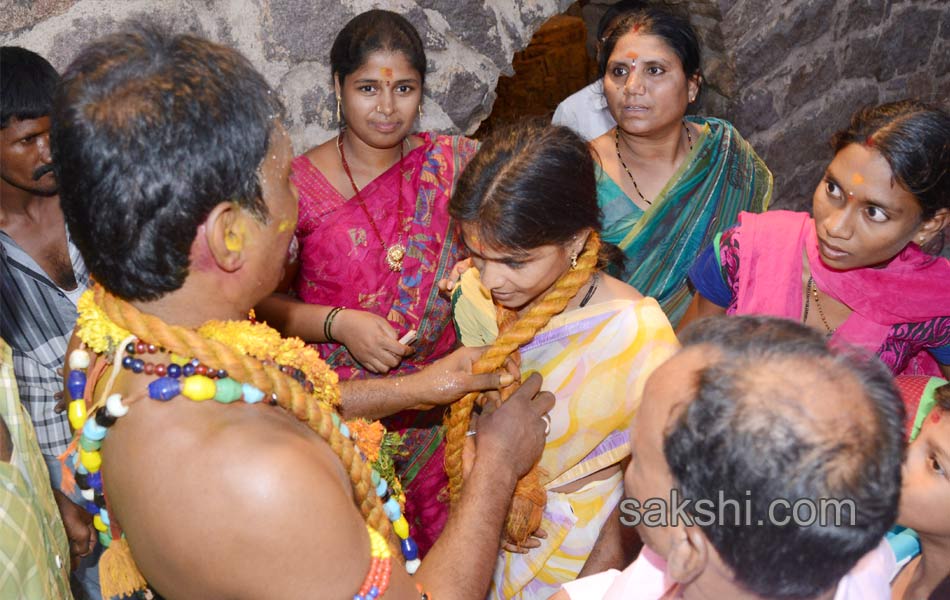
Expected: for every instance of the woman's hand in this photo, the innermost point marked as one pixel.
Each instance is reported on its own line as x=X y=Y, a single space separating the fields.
x=447 y=284
x=370 y=340
x=449 y=378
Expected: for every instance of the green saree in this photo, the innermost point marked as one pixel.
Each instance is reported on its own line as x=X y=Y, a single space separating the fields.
x=721 y=177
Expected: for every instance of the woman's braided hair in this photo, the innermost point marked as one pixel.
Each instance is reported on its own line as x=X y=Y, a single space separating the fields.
x=529 y=185
x=525 y=514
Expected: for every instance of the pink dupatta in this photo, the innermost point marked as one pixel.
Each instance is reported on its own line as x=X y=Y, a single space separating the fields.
x=906 y=290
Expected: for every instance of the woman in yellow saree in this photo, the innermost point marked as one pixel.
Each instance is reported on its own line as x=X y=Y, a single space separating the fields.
x=527 y=208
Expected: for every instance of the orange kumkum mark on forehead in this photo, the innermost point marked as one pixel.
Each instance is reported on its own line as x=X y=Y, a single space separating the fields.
x=386 y=72
x=857 y=179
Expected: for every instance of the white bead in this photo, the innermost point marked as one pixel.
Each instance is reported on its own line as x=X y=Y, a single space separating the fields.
x=114 y=406
x=88 y=494
x=78 y=360
x=413 y=565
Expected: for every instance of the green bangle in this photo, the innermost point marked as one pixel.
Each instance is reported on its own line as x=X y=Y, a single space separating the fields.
x=328 y=323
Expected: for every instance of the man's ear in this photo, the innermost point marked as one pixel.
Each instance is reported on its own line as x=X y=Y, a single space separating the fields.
x=225 y=234
x=688 y=555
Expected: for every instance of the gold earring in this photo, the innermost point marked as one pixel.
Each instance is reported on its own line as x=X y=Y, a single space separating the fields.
x=573 y=261
x=339 y=112
x=420 y=111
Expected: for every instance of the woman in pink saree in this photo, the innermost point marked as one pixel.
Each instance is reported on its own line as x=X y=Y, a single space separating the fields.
x=860 y=270
x=375 y=237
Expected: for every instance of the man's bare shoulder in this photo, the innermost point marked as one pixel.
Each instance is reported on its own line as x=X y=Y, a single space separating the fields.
x=231 y=493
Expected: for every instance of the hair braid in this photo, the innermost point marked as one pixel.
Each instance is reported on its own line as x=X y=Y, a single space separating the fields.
x=519 y=526
x=289 y=394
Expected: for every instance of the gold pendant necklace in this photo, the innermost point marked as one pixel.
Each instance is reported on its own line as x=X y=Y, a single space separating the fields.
x=395 y=252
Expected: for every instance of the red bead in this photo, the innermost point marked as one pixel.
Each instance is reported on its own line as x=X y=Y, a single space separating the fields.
x=149 y=368
x=201 y=370
x=152 y=348
x=160 y=370
x=140 y=347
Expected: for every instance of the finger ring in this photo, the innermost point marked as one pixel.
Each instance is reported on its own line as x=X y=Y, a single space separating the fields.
x=470 y=433
x=547 y=423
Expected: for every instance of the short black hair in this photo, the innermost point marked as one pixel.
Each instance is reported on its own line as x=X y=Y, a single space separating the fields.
x=150 y=132
x=371 y=31
x=27 y=85
x=674 y=29
x=747 y=435
x=914 y=139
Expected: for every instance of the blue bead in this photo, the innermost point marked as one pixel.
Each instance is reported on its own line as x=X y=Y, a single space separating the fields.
x=93 y=430
x=251 y=394
x=91 y=508
x=392 y=510
x=374 y=476
x=222 y=373
x=409 y=548
x=76 y=384
x=164 y=388
x=344 y=430
x=127 y=362
x=381 y=488
x=174 y=371
x=130 y=348
x=104 y=515
x=138 y=365
x=94 y=480
x=373 y=592
x=188 y=370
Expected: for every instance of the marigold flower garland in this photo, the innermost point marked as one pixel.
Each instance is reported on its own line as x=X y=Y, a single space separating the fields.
x=291 y=355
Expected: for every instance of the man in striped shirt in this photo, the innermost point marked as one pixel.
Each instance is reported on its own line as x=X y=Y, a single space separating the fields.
x=41 y=272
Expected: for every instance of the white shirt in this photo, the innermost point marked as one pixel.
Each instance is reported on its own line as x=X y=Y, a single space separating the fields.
x=585 y=111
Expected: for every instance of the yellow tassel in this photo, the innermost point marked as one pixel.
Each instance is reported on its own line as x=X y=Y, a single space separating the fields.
x=118 y=575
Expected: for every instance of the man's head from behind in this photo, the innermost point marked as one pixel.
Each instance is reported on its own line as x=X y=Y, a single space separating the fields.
x=27 y=85
x=760 y=411
x=153 y=134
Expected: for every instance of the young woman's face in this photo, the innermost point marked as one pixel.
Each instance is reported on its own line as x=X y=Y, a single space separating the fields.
x=863 y=216
x=925 y=493
x=380 y=100
x=645 y=85
x=516 y=278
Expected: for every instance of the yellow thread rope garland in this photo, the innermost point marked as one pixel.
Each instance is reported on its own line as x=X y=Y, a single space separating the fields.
x=528 y=504
x=106 y=320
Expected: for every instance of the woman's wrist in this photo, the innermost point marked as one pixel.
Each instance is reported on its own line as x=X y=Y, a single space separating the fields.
x=328 y=323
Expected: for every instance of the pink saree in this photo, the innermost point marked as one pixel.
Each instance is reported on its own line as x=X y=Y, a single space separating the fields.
x=343 y=263
x=900 y=310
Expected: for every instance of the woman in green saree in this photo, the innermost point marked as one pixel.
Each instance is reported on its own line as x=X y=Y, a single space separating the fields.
x=667 y=183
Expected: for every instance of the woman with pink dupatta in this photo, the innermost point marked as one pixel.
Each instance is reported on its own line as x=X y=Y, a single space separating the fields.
x=864 y=270
x=375 y=238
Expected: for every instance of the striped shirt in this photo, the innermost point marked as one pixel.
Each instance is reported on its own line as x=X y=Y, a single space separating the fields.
x=36 y=320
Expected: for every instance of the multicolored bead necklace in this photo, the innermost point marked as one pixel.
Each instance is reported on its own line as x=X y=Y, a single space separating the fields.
x=197 y=382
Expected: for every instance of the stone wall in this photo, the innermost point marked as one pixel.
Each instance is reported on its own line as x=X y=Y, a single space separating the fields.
x=469 y=44
x=788 y=74
x=553 y=66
